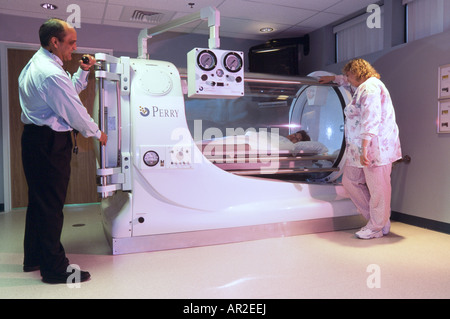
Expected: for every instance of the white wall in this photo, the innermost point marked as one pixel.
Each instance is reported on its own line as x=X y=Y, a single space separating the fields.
x=170 y=46
x=410 y=72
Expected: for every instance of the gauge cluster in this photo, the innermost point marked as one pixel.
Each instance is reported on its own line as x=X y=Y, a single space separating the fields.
x=166 y=157
x=214 y=73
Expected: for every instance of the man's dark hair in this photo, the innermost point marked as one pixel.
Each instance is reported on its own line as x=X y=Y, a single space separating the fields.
x=51 y=28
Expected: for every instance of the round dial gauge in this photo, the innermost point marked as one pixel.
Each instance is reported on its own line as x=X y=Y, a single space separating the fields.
x=232 y=62
x=207 y=60
x=151 y=158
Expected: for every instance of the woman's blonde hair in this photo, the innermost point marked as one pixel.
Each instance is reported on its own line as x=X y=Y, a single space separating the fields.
x=361 y=69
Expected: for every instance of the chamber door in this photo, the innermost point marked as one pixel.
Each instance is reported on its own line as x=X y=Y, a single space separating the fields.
x=318 y=110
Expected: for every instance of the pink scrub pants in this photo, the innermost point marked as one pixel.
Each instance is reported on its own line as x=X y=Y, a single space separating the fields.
x=370 y=190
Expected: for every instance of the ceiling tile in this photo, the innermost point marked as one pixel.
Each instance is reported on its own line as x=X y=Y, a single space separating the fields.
x=263 y=12
x=346 y=7
x=321 y=19
x=317 y=5
x=169 y=5
x=239 y=18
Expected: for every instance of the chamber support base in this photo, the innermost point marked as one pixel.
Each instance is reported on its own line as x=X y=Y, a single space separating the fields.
x=232 y=235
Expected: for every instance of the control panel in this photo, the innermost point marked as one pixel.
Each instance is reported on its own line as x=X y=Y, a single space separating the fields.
x=214 y=73
x=166 y=157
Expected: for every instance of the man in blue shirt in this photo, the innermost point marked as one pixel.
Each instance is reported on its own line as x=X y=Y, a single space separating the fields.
x=51 y=109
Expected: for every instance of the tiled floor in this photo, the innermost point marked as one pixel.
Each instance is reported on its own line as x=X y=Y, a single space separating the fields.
x=410 y=262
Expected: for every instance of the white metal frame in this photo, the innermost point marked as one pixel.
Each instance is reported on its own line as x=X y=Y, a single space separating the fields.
x=209 y=13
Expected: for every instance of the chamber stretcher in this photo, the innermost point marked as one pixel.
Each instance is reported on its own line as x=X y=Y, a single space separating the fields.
x=180 y=170
x=265 y=153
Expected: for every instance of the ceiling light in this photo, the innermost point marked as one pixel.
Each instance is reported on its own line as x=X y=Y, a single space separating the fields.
x=49 y=6
x=268 y=50
x=266 y=29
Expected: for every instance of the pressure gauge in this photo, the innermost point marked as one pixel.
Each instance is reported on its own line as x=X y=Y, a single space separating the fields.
x=207 y=60
x=232 y=62
x=151 y=158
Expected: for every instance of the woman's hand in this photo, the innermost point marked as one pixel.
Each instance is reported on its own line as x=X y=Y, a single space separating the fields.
x=326 y=79
x=364 y=159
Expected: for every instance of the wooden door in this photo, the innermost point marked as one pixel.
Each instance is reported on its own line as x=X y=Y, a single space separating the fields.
x=82 y=186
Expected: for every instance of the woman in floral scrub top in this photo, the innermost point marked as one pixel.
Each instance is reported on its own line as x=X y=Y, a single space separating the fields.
x=372 y=145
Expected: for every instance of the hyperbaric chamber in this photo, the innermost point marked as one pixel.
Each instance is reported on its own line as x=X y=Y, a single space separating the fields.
x=235 y=134
x=182 y=172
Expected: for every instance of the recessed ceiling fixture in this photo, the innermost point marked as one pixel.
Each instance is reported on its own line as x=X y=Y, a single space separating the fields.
x=266 y=29
x=49 y=6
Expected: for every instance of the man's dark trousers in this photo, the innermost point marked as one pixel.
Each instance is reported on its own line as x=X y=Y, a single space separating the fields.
x=46 y=156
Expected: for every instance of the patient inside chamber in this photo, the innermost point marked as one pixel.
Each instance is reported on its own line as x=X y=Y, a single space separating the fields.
x=299 y=136
x=277 y=130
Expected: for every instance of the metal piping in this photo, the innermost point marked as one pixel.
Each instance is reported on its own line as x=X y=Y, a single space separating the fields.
x=209 y=13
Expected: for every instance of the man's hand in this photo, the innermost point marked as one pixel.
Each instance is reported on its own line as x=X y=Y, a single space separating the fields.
x=103 y=139
x=90 y=62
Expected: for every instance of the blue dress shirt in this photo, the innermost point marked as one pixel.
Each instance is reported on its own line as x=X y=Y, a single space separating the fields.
x=49 y=96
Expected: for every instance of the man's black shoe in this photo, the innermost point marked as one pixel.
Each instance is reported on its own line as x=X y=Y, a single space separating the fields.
x=30 y=268
x=66 y=277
